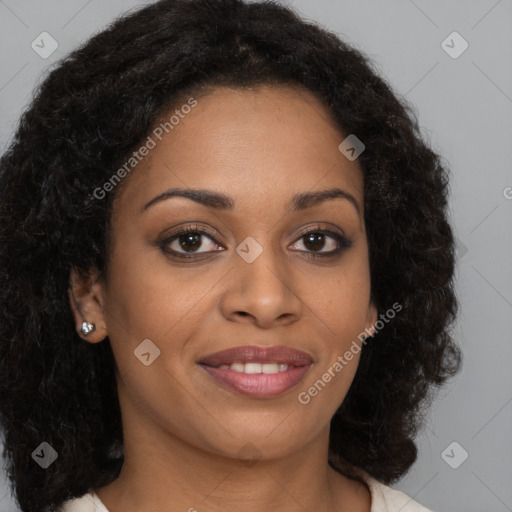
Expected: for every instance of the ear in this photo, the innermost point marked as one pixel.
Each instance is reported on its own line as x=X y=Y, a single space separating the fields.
x=87 y=298
x=371 y=317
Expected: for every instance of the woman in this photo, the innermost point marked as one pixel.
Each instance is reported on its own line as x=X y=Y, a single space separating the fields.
x=227 y=272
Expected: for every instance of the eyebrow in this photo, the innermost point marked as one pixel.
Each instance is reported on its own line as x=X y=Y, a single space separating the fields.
x=219 y=201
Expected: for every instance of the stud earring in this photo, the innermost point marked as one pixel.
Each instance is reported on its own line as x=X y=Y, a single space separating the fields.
x=87 y=327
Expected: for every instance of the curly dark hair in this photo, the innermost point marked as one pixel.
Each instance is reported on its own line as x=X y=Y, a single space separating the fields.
x=87 y=117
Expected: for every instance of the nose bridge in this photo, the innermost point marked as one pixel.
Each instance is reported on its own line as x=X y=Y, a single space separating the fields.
x=260 y=283
x=260 y=265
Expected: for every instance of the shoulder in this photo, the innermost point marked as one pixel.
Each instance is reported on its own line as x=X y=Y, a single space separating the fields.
x=89 y=502
x=386 y=499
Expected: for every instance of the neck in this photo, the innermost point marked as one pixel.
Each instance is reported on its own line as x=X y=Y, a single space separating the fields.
x=162 y=472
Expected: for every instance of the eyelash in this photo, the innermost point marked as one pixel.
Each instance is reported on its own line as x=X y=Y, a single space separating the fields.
x=343 y=242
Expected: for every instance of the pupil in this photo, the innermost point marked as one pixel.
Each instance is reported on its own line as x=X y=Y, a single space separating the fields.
x=195 y=239
x=314 y=241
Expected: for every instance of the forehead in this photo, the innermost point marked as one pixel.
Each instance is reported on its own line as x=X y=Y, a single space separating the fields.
x=257 y=145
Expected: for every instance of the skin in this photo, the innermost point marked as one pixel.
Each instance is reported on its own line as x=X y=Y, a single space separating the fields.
x=185 y=434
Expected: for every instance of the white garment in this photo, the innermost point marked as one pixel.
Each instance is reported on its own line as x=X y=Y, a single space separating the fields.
x=384 y=499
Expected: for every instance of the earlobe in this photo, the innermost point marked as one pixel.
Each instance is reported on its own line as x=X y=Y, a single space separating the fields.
x=372 y=318
x=86 y=299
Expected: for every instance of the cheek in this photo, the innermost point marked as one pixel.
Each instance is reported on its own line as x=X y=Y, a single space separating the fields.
x=143 y=306
x=341 y=302
x=145 y=293
x=157 y=302
x=341 y=307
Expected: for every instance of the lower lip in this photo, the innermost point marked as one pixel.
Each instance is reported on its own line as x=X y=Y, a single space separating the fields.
x=259 y=385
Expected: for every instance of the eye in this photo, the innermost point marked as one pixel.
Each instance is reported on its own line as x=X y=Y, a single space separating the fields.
x=316 y=240
x=187 y=242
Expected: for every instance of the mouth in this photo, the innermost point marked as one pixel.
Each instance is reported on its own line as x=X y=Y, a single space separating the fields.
x=259 y=372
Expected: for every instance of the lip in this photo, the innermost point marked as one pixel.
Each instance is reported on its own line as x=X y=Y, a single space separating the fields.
x=259 y=385
x=249 y=353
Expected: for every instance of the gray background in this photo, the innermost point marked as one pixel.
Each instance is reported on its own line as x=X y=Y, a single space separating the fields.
x=465 y=110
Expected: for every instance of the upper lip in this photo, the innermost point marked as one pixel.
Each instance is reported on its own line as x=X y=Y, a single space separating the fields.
x=247 y=353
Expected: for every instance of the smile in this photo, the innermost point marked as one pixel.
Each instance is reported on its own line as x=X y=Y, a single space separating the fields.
x=259 y=372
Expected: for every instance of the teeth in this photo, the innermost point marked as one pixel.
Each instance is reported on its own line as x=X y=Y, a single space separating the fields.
x=254 y=368
x=270 y=368
x=238 y=367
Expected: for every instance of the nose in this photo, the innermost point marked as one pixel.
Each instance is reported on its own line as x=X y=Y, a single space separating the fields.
x=261 y=292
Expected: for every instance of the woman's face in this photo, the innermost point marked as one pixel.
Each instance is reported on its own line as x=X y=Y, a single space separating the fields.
x=253 y=278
